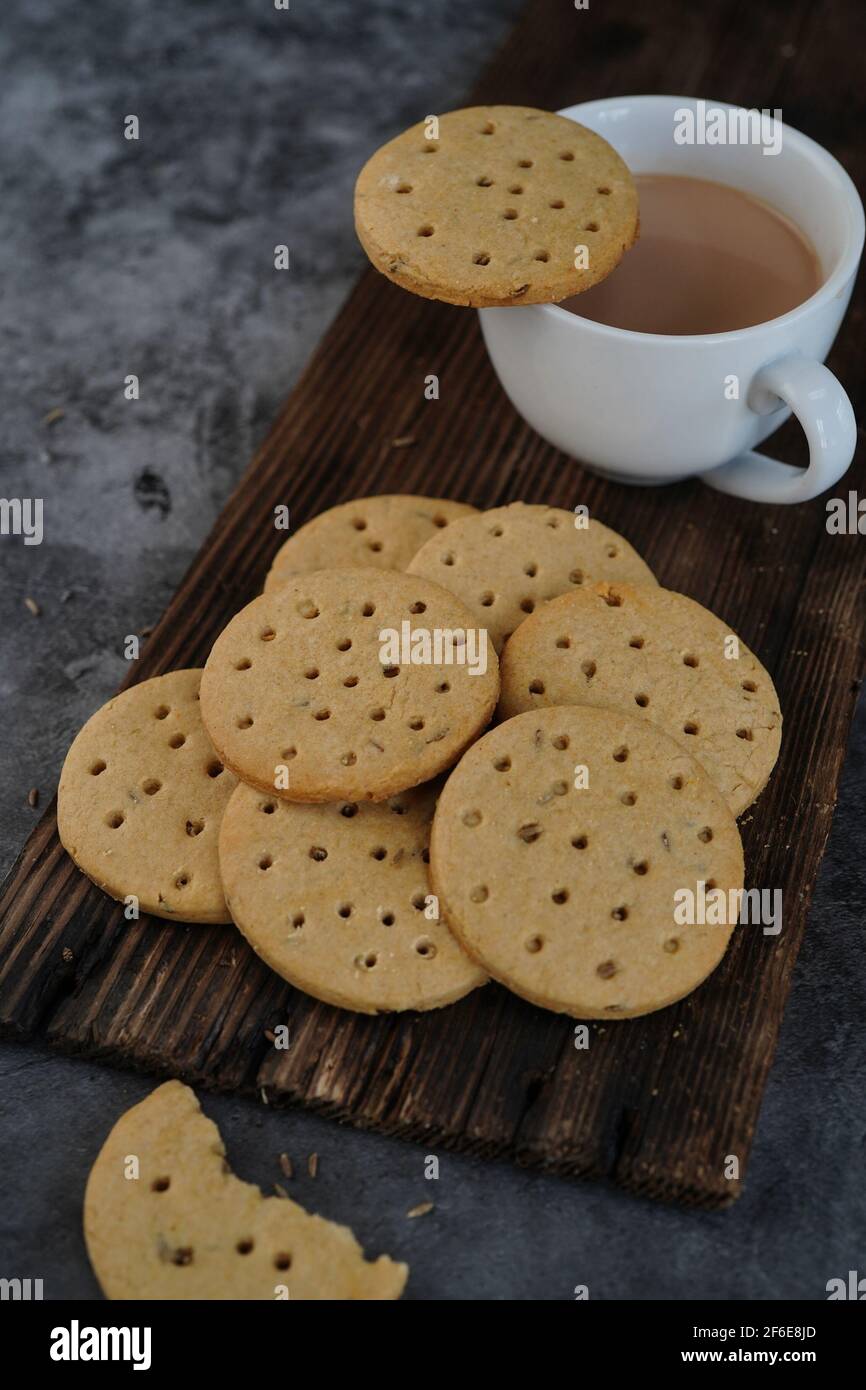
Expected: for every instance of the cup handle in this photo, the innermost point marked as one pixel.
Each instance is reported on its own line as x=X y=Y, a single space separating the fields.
x=827 y=417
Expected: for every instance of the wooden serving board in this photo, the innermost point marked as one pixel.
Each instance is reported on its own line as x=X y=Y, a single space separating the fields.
x=655 y=1104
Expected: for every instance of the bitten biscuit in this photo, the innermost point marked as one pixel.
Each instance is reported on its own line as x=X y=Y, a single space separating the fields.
x=337 y=900
x=140 y=800
x=180 y=1225
x=654 y=653
x=507 y=562
x=504 y=205
x=348 y=684
x=561 y=845
x=378 y=532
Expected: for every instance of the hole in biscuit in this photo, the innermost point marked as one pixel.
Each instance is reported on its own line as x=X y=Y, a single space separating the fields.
x=672 y=945
x=349 y=810
x=268 y=808
x=215 y=769
x=182 y=1256
x=307 y=609
x=619 y=914
x=481 y=258
x=244 y=664
x=541 y=256
x=747 y=734
x=496 y=531
x=689 y=659
x=350 y=682
x=367 y=609
x=690 y=727
x=98 y=767
x=426 y=230
x=705 y=835
x=531 y=569
x=284 y=1261
x=417 y=607
x=620 y=754
x=488 y=128
x=194 y=827
x=151 y=786
x=560 y=895
x=348 y=759
x=510 y=214
x=162 y=712
x=502 y=764
x=516 y=189
x=425 y=947
x=567 y=155
x=530 y=832
x=561 y=741
x=416 y=723
x=527 y=605
x=322 y=714
x=472 y=818
x=375 y=546
x=487 y=599
x=536 y=687
x=366 y=962
x=534 y=944
x=419 y=902
x=576 y=577
x=318 y=853
x=390 y=671
x=430 y=147
x=114 y=820
x=628 y=798
x=344 y=644
x=612 y=599
x=289 y=754
x=564 y=642
x=589 y=669
x=265 y=862
x=268 y=634
x=298 y=921
x=559 y=788
x=377 y=714
x=606 y=970
x=480 y=894
x=524 y=163
x=344 y=910
x=403 y=188
x=181 y=881
x=245 y=722
x=244 y=1247
x=177 y=741
x=591 y=227
x=359 y=523
x=636 y=642
x=160 y=1185
x=642 y=700
x=579 y=841
x=447 y=558
x=750 y=686
x=604 y=191
x=677 y=783
x=378 y=853
x=484 y=182
x=641 y=868
x=442 y=688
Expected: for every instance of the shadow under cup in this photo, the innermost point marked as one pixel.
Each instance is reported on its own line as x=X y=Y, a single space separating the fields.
x=651 y=408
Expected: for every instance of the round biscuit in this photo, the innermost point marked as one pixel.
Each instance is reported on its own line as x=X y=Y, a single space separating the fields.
x=506 y=562
x=560 y=845
x=140 y=800
x=382 y=532
x=501 y=205
x=312 y=694
x=336 y=899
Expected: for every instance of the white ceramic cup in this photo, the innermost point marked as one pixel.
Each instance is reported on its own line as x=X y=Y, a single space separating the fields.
x=652 y=408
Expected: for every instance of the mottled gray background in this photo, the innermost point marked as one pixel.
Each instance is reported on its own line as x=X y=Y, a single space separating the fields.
x=156 y=258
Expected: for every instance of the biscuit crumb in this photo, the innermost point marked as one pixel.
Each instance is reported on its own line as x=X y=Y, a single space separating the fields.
x=286 y=1165
x=33 y=797
x=32 y=607
x=313 y=1165
x=422 y=1209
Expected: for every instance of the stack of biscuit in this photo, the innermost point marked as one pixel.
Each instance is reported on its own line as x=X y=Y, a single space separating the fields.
x=326 y=781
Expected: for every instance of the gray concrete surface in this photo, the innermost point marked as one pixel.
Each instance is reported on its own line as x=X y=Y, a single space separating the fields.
x=155 y=258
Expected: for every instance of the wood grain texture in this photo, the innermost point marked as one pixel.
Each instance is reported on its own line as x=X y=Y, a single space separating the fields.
x=657 y=1103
